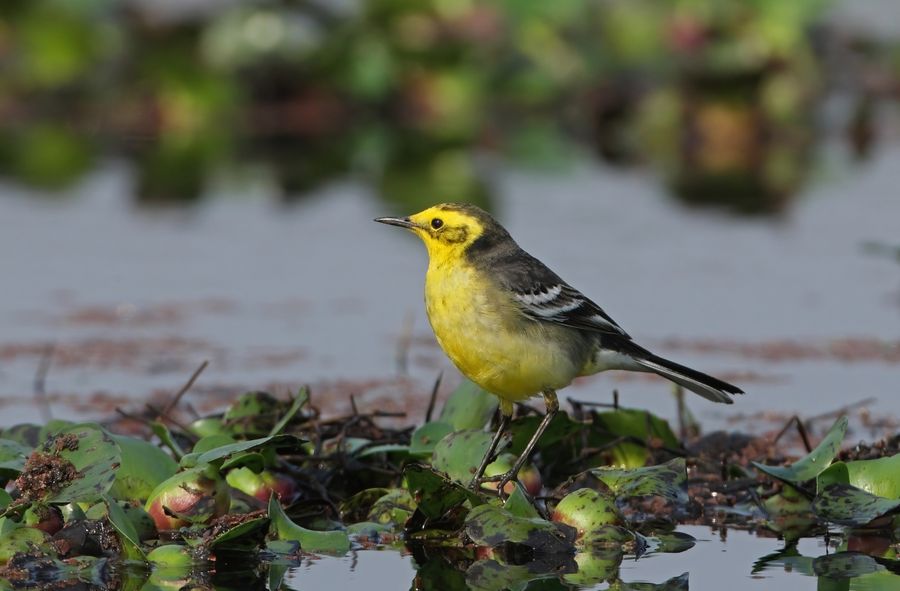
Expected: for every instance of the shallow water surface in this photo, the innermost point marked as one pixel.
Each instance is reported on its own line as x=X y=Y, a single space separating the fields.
x=734 y=555
x=795 y=310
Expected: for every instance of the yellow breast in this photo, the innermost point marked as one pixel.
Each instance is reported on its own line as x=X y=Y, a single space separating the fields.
x=491 y=342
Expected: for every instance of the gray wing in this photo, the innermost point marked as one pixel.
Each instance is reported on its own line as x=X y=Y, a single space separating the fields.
x=564 y=304
x=542 y=295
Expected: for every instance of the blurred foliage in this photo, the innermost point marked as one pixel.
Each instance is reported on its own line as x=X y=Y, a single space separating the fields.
x=717 y=97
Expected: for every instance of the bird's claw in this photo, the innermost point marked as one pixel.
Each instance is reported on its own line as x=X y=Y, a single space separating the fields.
x=501 y=479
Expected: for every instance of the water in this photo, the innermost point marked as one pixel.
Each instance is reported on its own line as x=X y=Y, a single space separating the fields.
x=278 y=295
x=734 y=554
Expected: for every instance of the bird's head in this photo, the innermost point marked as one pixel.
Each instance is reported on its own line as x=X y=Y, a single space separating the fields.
x=450 y=229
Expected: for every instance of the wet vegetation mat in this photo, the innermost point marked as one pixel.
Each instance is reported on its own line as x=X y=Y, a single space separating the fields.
x=236 y=499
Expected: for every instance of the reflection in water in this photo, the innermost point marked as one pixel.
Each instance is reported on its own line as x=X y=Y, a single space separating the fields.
x=717 y=98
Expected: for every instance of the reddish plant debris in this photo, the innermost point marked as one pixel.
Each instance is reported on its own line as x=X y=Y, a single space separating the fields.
x=44 y=474
x=68 y=441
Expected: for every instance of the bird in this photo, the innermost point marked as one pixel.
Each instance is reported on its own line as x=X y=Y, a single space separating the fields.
x=516 y=328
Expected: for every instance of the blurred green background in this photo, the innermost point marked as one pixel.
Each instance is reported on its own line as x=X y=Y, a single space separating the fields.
x=724 y=102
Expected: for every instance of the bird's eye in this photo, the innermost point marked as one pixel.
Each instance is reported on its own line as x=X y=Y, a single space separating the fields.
x=436 y=223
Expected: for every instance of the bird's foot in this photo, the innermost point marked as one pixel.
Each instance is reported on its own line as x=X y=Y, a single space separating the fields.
x=501 y=479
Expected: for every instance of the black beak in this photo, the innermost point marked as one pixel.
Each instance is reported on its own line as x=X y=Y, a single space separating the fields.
x=402 y=222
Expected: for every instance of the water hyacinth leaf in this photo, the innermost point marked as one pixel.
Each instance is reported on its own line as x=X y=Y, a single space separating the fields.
x=789 y=513
x=468 y=407
x=815 y=462
x=18 y=539
x=492 y=575
x=208 y=426
x=128 y=535
x=439 y=573
x=193 y=496
x=788 y=558
x=434 y=493
x=394 y=507
x=672 y=542
x=143 y=467
x=667 y=480
x=386 y=448
x=459 y=453
x=587 y=510
x=297 y=403
x=31 y=435
x=596 y=565
x=245 y=536
x=12 y=457
x=847 y=565
x=330 y=542
x=211 y=442
x=253 y=460
x=845 y=504
x=357 y=507
x=276 y=442
x=425 y=438
x=95 y=458
x=161 y=431
x=492 y=526
x=252 y=413
x=560 y=427
x=519 y=505
x=880 y=476
x=637 y=424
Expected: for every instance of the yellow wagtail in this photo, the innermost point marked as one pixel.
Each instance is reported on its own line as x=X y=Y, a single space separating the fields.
x=515 y=328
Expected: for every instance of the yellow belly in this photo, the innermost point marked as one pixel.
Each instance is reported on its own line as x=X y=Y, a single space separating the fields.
x=493 y=344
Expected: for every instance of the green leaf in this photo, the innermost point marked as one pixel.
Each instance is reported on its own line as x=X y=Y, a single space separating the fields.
x=211 y=442
x=434 y=492
x=597 y=565
x=880 y=476
x=460 y=453
x=128 y=535
x=5 y=499
x=277 y=442
x=18 y=538
x=252 y=413
x=161 y=431
x=245 y=536
x=297 y=403
x=330 y=542
x=519 y=504
x=848 y=565
x=637 y=424
x=845 y=504
x=493 y=575
x=468 y=407
x=395 y=507
x=425 y=438
x=94 y=456
x=386 y=448
x=143 y=467
x=667 y=480
x=815 y=462
x=560 y=427
x=12 y=457
x=31 y=435
x=492 y=526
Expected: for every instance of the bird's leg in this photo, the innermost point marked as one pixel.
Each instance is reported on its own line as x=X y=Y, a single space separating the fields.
x=552 y=408
x=492 y=449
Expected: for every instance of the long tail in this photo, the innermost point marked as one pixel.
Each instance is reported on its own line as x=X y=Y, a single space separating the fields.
x=698 y=382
